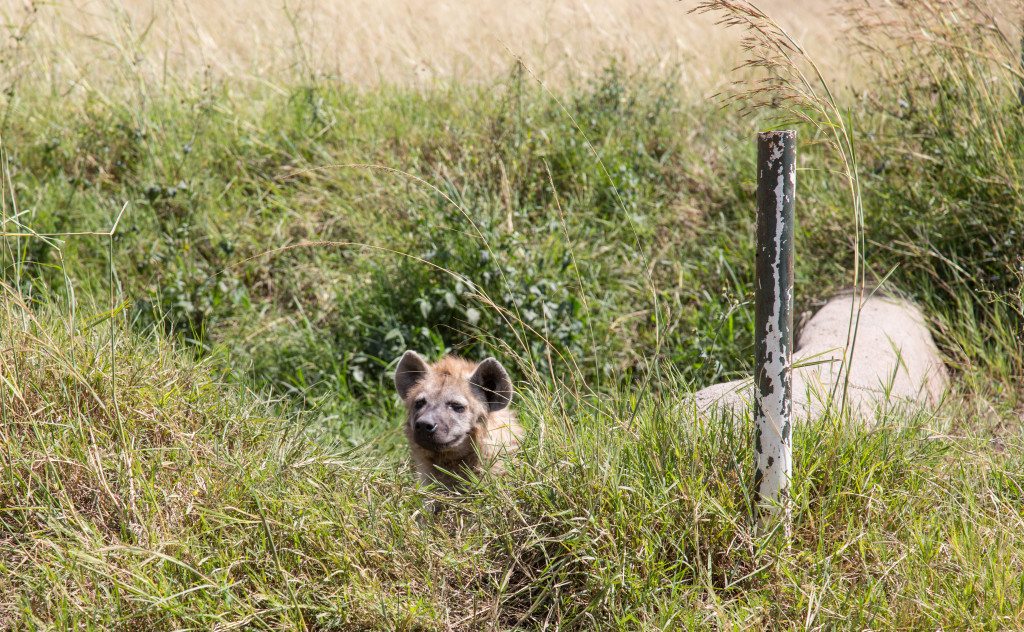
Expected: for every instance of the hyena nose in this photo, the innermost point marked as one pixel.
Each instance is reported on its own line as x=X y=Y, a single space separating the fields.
x=426 y=427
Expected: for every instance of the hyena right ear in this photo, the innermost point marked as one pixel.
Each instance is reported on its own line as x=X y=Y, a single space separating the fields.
x=411 y=369
x=492 y=384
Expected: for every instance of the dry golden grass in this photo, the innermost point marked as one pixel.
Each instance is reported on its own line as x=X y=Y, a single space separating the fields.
x=369 y=42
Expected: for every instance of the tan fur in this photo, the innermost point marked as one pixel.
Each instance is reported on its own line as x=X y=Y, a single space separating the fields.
x=489 y=435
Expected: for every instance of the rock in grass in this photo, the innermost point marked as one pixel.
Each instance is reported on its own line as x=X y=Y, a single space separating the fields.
x=892 y=362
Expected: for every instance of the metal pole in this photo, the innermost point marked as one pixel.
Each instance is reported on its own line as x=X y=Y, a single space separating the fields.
x=773 y=322
x=1020 y=88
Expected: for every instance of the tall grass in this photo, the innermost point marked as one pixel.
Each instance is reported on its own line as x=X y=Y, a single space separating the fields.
x=954 y=76
x=208 y=512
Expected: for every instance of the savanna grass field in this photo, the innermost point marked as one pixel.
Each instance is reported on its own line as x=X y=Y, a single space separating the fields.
x=224 y=222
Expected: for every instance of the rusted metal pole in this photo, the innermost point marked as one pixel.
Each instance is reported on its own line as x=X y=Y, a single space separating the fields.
x=773 y=323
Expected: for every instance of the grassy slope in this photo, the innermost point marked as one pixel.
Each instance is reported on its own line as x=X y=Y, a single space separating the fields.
x=191 y=502
x=511 y=199
x=186 y=504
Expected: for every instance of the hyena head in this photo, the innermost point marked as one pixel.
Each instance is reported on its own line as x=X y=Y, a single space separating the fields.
x=450 y=402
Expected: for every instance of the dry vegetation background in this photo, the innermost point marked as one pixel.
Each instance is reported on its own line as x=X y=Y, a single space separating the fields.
x=386 y=41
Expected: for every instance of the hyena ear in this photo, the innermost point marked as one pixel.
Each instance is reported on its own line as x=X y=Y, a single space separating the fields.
x=411 y=369
x=491 y=383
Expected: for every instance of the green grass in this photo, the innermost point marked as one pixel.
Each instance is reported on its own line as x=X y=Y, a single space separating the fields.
x=504 y=230
x=190 y=505
x=281 y=246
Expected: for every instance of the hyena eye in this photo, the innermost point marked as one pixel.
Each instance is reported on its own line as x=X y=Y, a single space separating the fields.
x=457 y=407
x=419 y=403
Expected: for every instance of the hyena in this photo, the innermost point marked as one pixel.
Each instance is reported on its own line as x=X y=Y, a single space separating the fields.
x=459 y=420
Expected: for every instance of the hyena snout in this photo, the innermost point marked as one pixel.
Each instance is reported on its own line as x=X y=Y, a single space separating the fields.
x=436 y=428
x=425 y=427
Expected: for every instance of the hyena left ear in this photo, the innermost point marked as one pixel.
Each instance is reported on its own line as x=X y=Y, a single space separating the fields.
x=491 y=383
x=411 y=369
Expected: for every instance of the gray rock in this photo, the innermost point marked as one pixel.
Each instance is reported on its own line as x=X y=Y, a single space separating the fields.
x=894 y=363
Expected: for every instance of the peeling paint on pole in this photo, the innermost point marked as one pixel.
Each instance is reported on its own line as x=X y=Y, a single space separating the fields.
x=773 y=321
